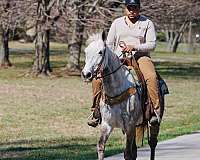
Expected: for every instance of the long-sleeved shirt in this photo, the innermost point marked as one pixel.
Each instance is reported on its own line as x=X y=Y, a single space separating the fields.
x=140 y=34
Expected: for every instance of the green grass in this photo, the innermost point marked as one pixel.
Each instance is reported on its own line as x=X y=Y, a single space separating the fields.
x=45 y=118
x=182 y=48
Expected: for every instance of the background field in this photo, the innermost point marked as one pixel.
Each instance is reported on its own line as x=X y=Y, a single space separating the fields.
x=45 y=118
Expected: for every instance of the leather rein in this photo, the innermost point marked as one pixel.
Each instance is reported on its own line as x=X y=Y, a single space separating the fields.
x=99 y=68
x=119 y=98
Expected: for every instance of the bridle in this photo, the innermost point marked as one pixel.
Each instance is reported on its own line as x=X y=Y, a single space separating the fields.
x=122 y=96
x=99 y=68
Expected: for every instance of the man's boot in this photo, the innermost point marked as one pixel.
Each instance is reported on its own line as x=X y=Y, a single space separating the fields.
x=157 y=113
x=95 y=117
x=156 y=118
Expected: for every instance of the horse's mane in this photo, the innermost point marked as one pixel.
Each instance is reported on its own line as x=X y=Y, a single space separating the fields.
x=94 y=37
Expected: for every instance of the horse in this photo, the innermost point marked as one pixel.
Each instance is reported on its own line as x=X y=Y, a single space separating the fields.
x=101 y=62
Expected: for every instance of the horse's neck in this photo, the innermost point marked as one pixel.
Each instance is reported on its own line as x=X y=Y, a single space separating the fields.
x=115 y=83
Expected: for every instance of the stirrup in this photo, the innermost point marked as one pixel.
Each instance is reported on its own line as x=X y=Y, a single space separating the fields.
x=155 y=119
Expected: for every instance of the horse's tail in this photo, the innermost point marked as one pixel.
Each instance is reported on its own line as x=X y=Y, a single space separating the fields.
x=140 y=130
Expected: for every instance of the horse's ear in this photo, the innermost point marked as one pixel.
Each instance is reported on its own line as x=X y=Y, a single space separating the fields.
x=104 y=35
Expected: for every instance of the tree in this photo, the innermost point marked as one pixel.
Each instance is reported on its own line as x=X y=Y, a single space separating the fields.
x=86 y=16
x=4 y=22
x=44 y=22
x=173 y=17
x=76 y=39
x=12 y=14
x=41 y=62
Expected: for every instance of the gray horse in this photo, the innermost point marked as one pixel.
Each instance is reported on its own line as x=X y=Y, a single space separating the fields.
x=117 y=80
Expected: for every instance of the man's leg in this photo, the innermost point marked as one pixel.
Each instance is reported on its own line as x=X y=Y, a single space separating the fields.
x=96 y=116
x=148 y=70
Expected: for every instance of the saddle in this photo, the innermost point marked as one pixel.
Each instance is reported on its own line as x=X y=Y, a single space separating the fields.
x=141 y=88
x=147 y=105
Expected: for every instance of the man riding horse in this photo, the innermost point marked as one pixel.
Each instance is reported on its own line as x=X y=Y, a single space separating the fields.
x=135 y=34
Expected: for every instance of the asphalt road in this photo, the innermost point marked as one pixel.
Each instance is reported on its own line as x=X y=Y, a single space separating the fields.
x=185 y=147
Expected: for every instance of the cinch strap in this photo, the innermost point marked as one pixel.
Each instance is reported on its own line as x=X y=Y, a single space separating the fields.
x=120 y=98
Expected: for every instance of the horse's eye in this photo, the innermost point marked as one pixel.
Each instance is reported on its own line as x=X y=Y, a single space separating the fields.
x=100 y=52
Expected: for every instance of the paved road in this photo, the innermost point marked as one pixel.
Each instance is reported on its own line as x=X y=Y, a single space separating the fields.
x=185 y=147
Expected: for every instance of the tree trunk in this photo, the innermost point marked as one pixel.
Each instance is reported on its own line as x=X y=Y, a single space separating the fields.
x=178 y=37
x=175 y=43
x=5 y=62
x=170 y=40
x=175 y=38
x=190 y=43
x=41 y=63
x=76 y=41
x=167 y=35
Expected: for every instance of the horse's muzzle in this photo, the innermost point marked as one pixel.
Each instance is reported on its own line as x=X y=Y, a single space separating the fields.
x=86 y=76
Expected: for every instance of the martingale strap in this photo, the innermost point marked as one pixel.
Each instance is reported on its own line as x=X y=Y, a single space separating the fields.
x=120 y=98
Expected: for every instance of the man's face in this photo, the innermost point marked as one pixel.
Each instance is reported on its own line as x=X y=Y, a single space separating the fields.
x=132 y=11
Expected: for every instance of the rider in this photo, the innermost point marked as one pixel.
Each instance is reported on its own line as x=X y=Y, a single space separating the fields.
x=138 y=33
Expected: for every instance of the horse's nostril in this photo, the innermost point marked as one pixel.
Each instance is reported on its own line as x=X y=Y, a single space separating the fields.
x=88 y=75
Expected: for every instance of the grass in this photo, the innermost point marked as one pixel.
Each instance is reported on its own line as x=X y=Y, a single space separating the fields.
x=182 y=47
x=45 y=118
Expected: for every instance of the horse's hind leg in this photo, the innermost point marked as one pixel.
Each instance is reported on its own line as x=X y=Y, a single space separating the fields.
x=105 y=132
x=130 y=152
x=153 y=139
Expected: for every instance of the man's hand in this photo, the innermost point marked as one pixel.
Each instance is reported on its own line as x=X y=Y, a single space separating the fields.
x=128 y=48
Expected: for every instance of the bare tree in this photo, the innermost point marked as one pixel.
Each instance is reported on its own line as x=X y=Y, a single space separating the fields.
x=4 y=27
x=44 y=22
x=76 y=39
x=4 y=53
x=173 y=17
x=41 y=62
x=12 y=14
x=73 y=20
x=85 y=17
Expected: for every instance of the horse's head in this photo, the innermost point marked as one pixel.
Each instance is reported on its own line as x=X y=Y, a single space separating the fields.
x=94 y=56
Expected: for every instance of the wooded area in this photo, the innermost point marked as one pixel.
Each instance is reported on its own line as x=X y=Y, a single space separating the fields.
x=44 y=110
x=71 y=22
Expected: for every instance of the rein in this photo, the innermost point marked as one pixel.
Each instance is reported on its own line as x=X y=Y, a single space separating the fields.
x=98 y=77
x=121 y=97
x=100 y=65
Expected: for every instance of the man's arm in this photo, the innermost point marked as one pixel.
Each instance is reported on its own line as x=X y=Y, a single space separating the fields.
x=111 y=38
x=150 y=39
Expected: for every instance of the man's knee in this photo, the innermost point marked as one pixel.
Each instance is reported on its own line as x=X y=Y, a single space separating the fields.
x=150 y=77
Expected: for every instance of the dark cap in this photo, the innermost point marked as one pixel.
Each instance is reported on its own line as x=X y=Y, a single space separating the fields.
x=132 y=2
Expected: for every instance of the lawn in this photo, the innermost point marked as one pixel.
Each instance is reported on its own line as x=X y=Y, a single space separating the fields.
x=46 y=118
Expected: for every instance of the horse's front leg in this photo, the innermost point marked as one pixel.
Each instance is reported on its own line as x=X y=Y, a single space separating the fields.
x=106 y=130
x=130 y=152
